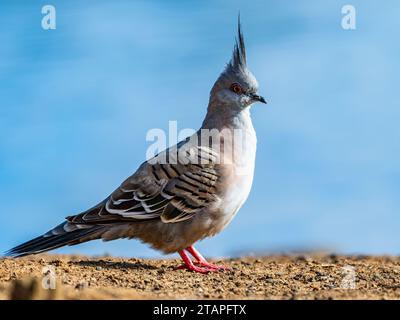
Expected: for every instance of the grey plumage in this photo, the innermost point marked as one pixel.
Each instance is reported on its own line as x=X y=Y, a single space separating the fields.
x=172 y=204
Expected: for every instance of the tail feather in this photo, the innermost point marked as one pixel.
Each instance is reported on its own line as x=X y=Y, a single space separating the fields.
x=50 y=241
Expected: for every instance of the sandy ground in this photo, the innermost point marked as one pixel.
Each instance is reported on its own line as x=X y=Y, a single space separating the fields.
x=271 y=277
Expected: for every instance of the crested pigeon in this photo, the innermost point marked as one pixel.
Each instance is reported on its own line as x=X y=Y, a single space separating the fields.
x=187 y=192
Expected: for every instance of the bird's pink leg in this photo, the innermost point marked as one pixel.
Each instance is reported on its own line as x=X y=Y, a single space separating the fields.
x=189 y=265
x=202 y=261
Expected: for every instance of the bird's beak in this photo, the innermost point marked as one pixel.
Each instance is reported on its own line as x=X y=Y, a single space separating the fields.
x=256 y=97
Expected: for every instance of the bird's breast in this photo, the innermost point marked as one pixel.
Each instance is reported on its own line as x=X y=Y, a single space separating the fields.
x=237 y=181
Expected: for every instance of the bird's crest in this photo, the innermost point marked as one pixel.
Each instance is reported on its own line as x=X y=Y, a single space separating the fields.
x=238 y=60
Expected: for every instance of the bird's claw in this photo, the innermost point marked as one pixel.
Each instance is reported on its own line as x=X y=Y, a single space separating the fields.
x=200 y=265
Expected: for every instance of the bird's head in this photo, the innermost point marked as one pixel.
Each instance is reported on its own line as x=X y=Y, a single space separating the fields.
x=236 y=86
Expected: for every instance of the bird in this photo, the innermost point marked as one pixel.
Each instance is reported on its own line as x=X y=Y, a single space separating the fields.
x=187 y=192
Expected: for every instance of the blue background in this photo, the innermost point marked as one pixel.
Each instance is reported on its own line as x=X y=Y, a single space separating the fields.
x=77 y=102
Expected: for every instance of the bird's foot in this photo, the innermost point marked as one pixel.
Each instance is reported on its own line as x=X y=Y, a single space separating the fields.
x=201 y=265
x=203 y=262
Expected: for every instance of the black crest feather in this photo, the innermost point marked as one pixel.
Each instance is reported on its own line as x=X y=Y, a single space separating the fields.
x=239 y=51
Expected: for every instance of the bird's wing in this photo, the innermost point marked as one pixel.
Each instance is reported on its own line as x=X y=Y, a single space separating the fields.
x=172 y=191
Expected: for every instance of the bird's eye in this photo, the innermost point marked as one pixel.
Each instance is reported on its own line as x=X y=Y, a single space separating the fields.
x=236 y=88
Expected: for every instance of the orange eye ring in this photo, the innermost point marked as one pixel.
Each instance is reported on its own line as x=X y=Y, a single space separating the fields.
x=236 y=88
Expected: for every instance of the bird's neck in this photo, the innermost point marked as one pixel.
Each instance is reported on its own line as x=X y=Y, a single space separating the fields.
x=225 y=117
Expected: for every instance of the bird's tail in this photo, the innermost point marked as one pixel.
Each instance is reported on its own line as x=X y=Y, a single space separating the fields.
x=62 y=235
